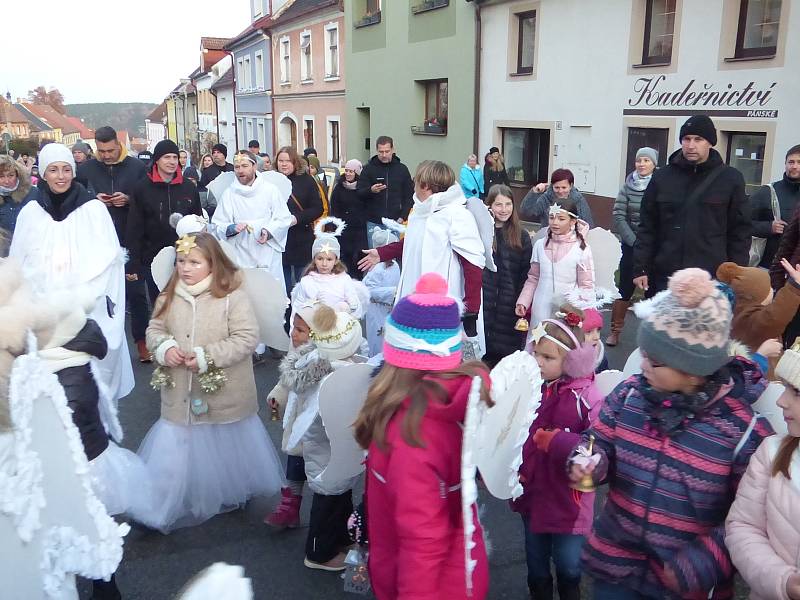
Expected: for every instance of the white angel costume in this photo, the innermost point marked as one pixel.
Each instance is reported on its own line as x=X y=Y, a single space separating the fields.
x=262 y=208
x=52 y=526
x=83 y=249
x=382 y=284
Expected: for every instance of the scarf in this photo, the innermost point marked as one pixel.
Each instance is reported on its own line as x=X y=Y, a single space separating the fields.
x=637 y=182
x=668 y=413
x=4 y=191
x=197 y=288
x=349 y=185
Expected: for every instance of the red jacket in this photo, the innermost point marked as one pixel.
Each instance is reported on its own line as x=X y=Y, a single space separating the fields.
x=414 y=513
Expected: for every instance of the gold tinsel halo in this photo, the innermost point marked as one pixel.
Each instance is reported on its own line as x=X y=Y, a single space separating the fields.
x=334 y=337
x=185 y=244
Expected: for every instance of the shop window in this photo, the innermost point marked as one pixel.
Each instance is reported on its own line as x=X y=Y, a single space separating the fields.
x=309 y=132
x=651 y=137
x=746 y=153
x=659 y=31
x=526 y=42
x=757 y=34
x=526 y=155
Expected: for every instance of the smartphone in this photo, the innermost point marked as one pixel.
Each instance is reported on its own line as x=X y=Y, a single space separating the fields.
x=381 y=180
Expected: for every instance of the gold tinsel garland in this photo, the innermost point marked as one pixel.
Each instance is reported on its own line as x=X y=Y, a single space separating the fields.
x=161 y=378
x=213 y=379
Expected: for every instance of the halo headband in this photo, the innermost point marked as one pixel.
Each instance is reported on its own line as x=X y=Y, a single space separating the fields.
x=540 y=332
x=245 y=157
x=557 y=208
x=185 y=244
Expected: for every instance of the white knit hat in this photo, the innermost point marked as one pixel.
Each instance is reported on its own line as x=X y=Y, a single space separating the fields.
x=326 y=240
x=788 y=367
x=339 y=341
x=381 y=237
x=53 y=153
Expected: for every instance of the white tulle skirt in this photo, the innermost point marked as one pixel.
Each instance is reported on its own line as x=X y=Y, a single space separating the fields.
x=198 y=471
x=121 y=481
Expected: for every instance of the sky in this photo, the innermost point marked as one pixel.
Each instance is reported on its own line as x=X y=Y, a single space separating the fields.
x=109 y=50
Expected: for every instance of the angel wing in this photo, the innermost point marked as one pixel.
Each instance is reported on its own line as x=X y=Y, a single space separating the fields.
x=633 y=366
x=221 y=183
x=341 y=396
x=163 y=266
x=767 y=406
x=606 y=252
x=269 y=306
x=485 y=224
x=279 y=180
x=606 y=381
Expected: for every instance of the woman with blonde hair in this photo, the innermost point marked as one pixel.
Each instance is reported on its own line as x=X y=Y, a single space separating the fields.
x=471 y=178
x=494 y=170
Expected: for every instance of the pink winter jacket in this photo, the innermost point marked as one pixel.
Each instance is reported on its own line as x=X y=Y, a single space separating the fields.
x=763 y=525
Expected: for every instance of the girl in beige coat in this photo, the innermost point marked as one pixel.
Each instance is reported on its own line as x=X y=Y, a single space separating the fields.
x=209 y=452
x=763 y=526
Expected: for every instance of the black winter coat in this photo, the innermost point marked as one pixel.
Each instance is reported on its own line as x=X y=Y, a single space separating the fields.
x=59 y=206
x=212 y=172
x=152 y=203
x=81 y=390
x=788 y=193
x=714 y=229
x=100 y=178
x=305 y=204
x=396 y=200
x=500 y=293
x=492 y=177
x=348 y=206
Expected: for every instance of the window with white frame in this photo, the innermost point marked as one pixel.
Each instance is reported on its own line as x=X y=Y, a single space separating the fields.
x=334 y=144
x=305 y=56
x=285 y=60
x=308 y=131
x=240 y=74
x=242 y=133
x=248 y=74
x=260 y=70
x=332 y=51
x=262 y=138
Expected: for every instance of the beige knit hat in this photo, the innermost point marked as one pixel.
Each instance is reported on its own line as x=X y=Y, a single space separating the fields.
x=336 y=335
x=788 y=367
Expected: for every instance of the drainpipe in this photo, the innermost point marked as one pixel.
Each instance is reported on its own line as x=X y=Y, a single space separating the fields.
x=477 y=112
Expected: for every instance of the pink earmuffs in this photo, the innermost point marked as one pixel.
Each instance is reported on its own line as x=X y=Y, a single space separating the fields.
x=580 y=361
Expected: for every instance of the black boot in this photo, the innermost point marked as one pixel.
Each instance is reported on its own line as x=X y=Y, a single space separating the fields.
x=541 y=589
x=569 y=589
x=105 y=590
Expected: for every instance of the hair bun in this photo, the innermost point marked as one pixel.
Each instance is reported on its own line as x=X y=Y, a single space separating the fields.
x=691 y=286
x=431 y=283
x=727 y=272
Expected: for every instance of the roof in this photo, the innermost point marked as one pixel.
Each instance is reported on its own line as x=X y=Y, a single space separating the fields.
x=158 y=114
x=254 y=27
x=37 y=125
x=10 y=114
x=301 y=8
x=86 y=133
x=51 y=116
x=225 y=81
x=213 y=43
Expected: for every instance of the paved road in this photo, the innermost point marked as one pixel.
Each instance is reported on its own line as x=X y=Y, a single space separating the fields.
x=156 y=566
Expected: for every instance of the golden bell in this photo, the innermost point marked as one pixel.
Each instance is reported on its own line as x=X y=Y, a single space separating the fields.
x=274 y=412
x=586 y=484
x=522 y=324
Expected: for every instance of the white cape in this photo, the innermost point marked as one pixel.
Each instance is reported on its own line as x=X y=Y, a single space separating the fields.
x=83 y=249
x=260 y=206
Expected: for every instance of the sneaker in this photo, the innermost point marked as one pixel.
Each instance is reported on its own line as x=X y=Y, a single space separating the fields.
x=334 y=565
x=287 y=513
x=144 y=353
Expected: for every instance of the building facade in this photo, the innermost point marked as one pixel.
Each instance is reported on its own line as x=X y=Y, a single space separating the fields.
x=223 y=90
x=155 y=125
x=412 y=66
x=309 y=78
x=546 y=103
x=252 y=70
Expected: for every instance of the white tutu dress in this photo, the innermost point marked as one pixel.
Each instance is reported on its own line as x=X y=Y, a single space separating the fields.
x=198 y=471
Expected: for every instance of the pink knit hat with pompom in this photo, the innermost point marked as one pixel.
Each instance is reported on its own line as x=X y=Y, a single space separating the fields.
x=592 y=319
x=687 y=327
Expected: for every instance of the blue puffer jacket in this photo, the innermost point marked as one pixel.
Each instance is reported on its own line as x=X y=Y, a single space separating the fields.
x=11 y=204
x=471 y=181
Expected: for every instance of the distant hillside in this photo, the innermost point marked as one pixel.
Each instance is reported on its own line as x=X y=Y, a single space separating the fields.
x=120 y=115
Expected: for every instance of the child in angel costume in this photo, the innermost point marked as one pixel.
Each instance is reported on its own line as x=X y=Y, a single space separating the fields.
x=447 y=235
x=561 y=265
x=336 y=337
x=296 y=377
x=382 y=284
x=326 y=279
x=209 y=452
x=253 y=217
x=60 y=476
x=411 y=425
x=556 y=517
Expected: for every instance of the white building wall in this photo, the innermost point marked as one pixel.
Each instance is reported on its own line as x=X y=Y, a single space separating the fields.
x=584 y=79
x=155 y=131
x=226 y=118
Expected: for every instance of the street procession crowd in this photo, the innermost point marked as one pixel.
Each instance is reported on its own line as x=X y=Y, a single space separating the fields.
x=411 y=293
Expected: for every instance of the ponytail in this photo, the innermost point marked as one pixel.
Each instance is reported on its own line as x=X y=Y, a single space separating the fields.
x=783 y=459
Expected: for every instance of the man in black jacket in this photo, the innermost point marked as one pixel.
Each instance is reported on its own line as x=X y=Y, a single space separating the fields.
x=219 y=156
x=161 y=194
x=787 y=190
x=386 y=186
x=694 y=212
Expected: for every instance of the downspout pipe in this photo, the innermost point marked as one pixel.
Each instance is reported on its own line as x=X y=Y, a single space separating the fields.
x=477 y=91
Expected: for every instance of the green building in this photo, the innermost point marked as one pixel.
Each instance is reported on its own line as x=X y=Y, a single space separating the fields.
x=411 y=76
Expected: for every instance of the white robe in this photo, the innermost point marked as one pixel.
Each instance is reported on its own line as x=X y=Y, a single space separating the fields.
x=382 y=285
x=261 y=207
x=83 y=249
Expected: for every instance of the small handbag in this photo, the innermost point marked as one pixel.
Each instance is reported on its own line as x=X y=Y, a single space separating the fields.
x=758 y=244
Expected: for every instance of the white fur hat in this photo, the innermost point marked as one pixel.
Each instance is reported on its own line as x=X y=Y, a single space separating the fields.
x=187 y=225
x=53 y=153
x=381 y=237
